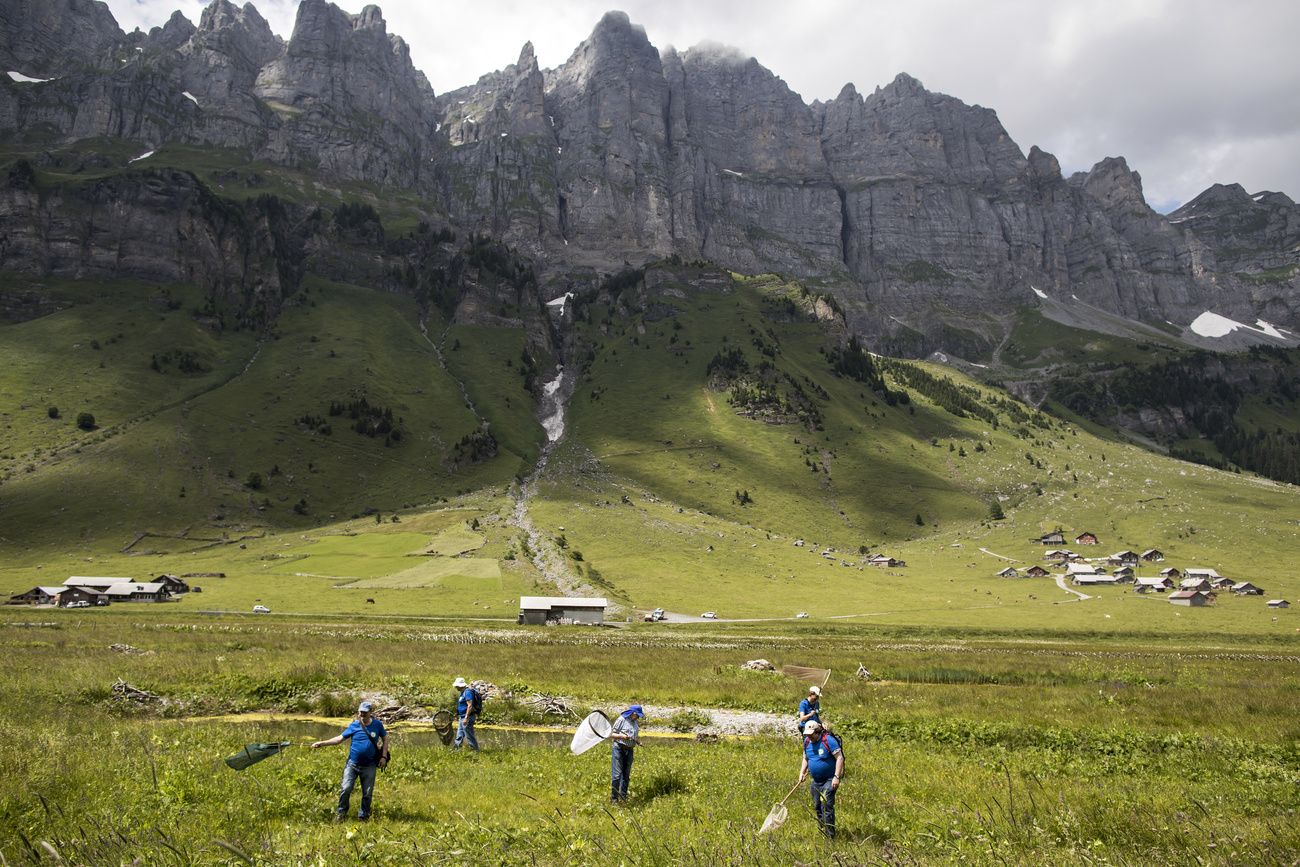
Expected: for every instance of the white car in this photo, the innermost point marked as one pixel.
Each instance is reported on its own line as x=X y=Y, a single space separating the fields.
x=801 y=615
x=709 y=615
x=81 y=603
x=261 y=609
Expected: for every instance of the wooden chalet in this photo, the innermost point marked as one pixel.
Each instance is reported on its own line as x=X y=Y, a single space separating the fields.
x=37 y=596
x=1192 y=598
x=174 y=584
x=1149 y=585
x=1245 y=588
x=1278 y=603
x=1171 y=572
x=1085 y=539
x=1153 y=556
x=1123 y=558
x=1060 y=555
x=1056 y=537
x=1195 y=584
x=1037 y=572
x=137 y=592
x=1009 y=572
x=540 y=610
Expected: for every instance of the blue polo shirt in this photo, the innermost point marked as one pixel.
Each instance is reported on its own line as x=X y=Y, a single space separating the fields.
x=363 y=751
x=465 y=702
x=821 y=756
x=814 y=707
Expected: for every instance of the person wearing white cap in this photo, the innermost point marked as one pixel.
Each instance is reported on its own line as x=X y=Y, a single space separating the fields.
x=811 y=707
x=467 y=709
x=369 y=753
x=824 y=761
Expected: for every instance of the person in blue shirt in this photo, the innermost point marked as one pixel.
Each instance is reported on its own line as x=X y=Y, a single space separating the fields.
x=810 y=708
x=626 y=729
x=823 y=760
x=467 y=714
x=369 y=753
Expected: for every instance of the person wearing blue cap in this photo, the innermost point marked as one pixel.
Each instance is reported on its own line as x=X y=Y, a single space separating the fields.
x=624 y=738
x=369 y=753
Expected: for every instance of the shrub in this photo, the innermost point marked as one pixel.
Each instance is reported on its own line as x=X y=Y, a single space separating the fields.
x=53 y=412
x=687 y=720
x=85 y=421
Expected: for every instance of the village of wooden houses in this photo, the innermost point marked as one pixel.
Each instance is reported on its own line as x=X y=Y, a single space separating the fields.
x=1192 y=587
x=1189 y=587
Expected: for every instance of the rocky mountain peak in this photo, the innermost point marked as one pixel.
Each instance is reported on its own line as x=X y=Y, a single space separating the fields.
x=1113 y=184
x=1043 y=167
x=46 y=37
x=172 y=35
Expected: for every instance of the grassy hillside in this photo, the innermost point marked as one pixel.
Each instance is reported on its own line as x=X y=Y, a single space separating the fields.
x=216 y=433
x=673 y=487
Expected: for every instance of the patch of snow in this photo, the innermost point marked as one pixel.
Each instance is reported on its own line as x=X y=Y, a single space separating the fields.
x=504 y=134
x=143 y=156
x=1039 y=292
x=1213 y=325
x=438 y=128
x=730 y=172
x=561 y=301
x=1268 y=329
x=191 y=97
x=1259 y=196
x=23 y=79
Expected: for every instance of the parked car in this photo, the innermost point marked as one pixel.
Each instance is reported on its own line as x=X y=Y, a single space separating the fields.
x=709 y=615
x=657 y=614
x=80 y=603
x=261 y=609
x=802 y=614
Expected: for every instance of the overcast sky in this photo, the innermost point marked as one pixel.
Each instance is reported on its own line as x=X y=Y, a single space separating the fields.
x=1190 y=92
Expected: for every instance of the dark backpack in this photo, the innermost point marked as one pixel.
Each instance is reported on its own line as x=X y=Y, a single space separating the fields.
x=476 y=702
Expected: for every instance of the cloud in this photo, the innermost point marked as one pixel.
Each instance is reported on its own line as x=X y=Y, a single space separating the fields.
x=1190 y=92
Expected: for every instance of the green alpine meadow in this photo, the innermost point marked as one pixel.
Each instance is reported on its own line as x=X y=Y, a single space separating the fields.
x=636 y=382
x=733 y=454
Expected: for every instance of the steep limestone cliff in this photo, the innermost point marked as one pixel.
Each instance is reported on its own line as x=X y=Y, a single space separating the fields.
x=917 y=210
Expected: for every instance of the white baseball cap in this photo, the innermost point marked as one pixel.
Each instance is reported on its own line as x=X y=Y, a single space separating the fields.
x=815 y=690
x=811 y=727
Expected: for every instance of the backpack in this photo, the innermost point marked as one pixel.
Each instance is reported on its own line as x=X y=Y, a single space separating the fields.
x=839 y=740
x=476 y=702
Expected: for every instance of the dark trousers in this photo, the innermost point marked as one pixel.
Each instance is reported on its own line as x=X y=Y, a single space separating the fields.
x=824 y=806
x=620 y=772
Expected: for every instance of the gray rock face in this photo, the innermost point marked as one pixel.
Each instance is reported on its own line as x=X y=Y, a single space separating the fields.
x=342 y=78
x=42 y=38
x=159 y=226
x=917 y=210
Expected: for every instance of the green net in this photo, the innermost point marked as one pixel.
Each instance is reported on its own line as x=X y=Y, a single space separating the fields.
x=254 y=753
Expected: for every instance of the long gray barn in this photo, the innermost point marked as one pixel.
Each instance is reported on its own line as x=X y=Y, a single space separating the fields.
x=538 y=610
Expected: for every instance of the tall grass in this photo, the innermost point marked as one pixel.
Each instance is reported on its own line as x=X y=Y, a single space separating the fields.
x=1071 y=766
